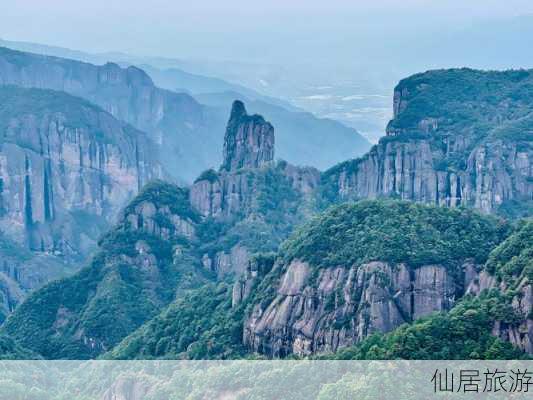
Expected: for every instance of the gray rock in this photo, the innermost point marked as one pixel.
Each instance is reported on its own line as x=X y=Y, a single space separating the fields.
x=342 y=306
x=249 y=140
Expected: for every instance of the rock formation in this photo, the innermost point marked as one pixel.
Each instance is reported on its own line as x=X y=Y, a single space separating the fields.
x=246 y=167
x=140 y=266
x=174 y=121
x=449 y=146
x=249 y=140
x=343 y=306
x=248 y=187
x=66 y=169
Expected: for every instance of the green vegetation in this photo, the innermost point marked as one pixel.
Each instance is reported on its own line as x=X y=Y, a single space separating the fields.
x=512 y=260
x=209 y=175
x=267 y=220
x=124 y=286
x=395 y=231
x=464 y=96
x=10 y=350
x=201 y=325
x=165 y=194
x=463 y=333
x=475 y=105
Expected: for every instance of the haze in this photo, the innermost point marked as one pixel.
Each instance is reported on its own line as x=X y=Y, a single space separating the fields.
x=336 y=58
x=272 y=31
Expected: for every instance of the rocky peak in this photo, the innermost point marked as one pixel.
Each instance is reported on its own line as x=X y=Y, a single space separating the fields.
x=249 y=140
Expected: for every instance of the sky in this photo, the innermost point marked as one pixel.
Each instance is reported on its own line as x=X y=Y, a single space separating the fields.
x=290 y=48
x=272 y=31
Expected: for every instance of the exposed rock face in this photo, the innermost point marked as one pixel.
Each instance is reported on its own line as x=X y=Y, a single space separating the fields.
x=494 y=174
x=256 y=270
x=248 y=147
x=240 y=191
x=59 y=169
x=233 y=262
x=521 y=333
x=249 y=140
x=160 y=221
x=140 y=266
x=486 y=163
x=227 y=194
x=66 y=169
x=342 y=306
x=175 y=121
x=10 y=295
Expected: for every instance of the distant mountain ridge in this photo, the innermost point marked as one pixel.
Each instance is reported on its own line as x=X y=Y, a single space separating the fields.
x=174 y=121
x=301 y=136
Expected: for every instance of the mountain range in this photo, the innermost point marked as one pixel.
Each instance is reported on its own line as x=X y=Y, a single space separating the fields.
x=421 y=248
x=160 y=285
x=310 y=134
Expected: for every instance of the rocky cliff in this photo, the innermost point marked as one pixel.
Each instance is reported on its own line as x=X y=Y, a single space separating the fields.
x=458 y=137
x=140 y=267
x=249 y=140
x=248 y=170
x=334 y=285
x=252 y=192
x=509 y=269
x=167 y=239
x=66 y=169
x=175 y=121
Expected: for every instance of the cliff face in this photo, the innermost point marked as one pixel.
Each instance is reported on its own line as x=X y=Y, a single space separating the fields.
x=343 y=306
x=167 y=239
x=251 y=190
x=249 y=140
x=509 y=270
x=176 y=122
x=63 y=160
x=458 y=137
x=66 y=169
x=140 y=266
x=247 y=170
x=350 y=274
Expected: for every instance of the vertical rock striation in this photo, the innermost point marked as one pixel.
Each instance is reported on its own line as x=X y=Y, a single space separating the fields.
x=247 y=169
x=342 y=306
x=249 y=189
x=458 y=137
x=66 y=169
x=174 y=121
x=249 y=140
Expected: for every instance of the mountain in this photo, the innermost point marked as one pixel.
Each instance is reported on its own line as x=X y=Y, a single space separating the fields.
x=137 y=270
x=478 y=327
x=365 y=268
x=174 y=121
x=67 y=167
x=190 y=133
x=302 y=138
x=349 y=277
x=263 y=258
x=458 y=137
x=168 y=241
x=463 y=333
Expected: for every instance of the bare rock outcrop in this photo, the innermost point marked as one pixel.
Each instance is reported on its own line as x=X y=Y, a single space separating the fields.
x=336 y=307
x=478 y=154
x=249 y=140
